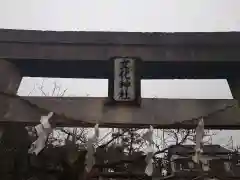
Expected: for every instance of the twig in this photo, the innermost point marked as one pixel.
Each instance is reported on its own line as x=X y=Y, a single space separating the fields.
x=161 y=151
x=110 y=141
x=185 y=138
x=107 y=134
x=32 y=90
x=78 y=137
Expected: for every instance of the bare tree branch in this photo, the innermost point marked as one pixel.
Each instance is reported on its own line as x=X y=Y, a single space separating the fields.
x=78 y=137
x=110 y=141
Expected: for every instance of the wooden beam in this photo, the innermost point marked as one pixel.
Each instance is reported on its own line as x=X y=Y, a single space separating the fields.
x=150 y=70
x=120 y=38
x=10 y=79
x=162 y=113
x=36 y=53
x=86 y=52
x=160 y=47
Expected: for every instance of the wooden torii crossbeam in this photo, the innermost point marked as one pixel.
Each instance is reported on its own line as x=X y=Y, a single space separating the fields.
x=87 y=54
x=161 y=113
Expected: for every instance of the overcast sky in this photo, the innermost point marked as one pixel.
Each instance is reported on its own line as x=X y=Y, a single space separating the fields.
x=125 y=15
x=121 y=15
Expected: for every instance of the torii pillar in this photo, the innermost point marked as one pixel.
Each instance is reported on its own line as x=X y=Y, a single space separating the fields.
x=234 y=85
x=10 y=79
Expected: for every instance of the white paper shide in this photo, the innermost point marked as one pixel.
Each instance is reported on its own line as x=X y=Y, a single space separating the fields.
x=90 y=159
x=199 y=141
x=43 y=130
x=148 y=137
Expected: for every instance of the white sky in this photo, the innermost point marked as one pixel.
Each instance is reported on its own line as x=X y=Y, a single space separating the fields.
x=121 y=15
x=126 y=15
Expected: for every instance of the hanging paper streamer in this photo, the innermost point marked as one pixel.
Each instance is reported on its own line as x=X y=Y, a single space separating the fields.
x=90 y=159
x=43 y=130
x=199 y=140
x=118 y=140
x=148 y=136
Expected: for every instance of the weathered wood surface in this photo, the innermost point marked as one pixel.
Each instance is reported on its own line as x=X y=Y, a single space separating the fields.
x=88 y=52
x=28 y=44
x=162 y=113
x=10 y=79
x=151 y=70
x=100 y=53
x=36 y=53
x=120 y=38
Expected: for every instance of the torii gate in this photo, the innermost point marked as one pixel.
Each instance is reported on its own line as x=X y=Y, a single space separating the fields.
x=87 y=55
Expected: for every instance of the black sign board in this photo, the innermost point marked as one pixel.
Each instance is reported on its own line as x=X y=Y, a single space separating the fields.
x=125 y=81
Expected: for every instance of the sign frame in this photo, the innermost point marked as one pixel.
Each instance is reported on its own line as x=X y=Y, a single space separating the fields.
x=137 y=82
